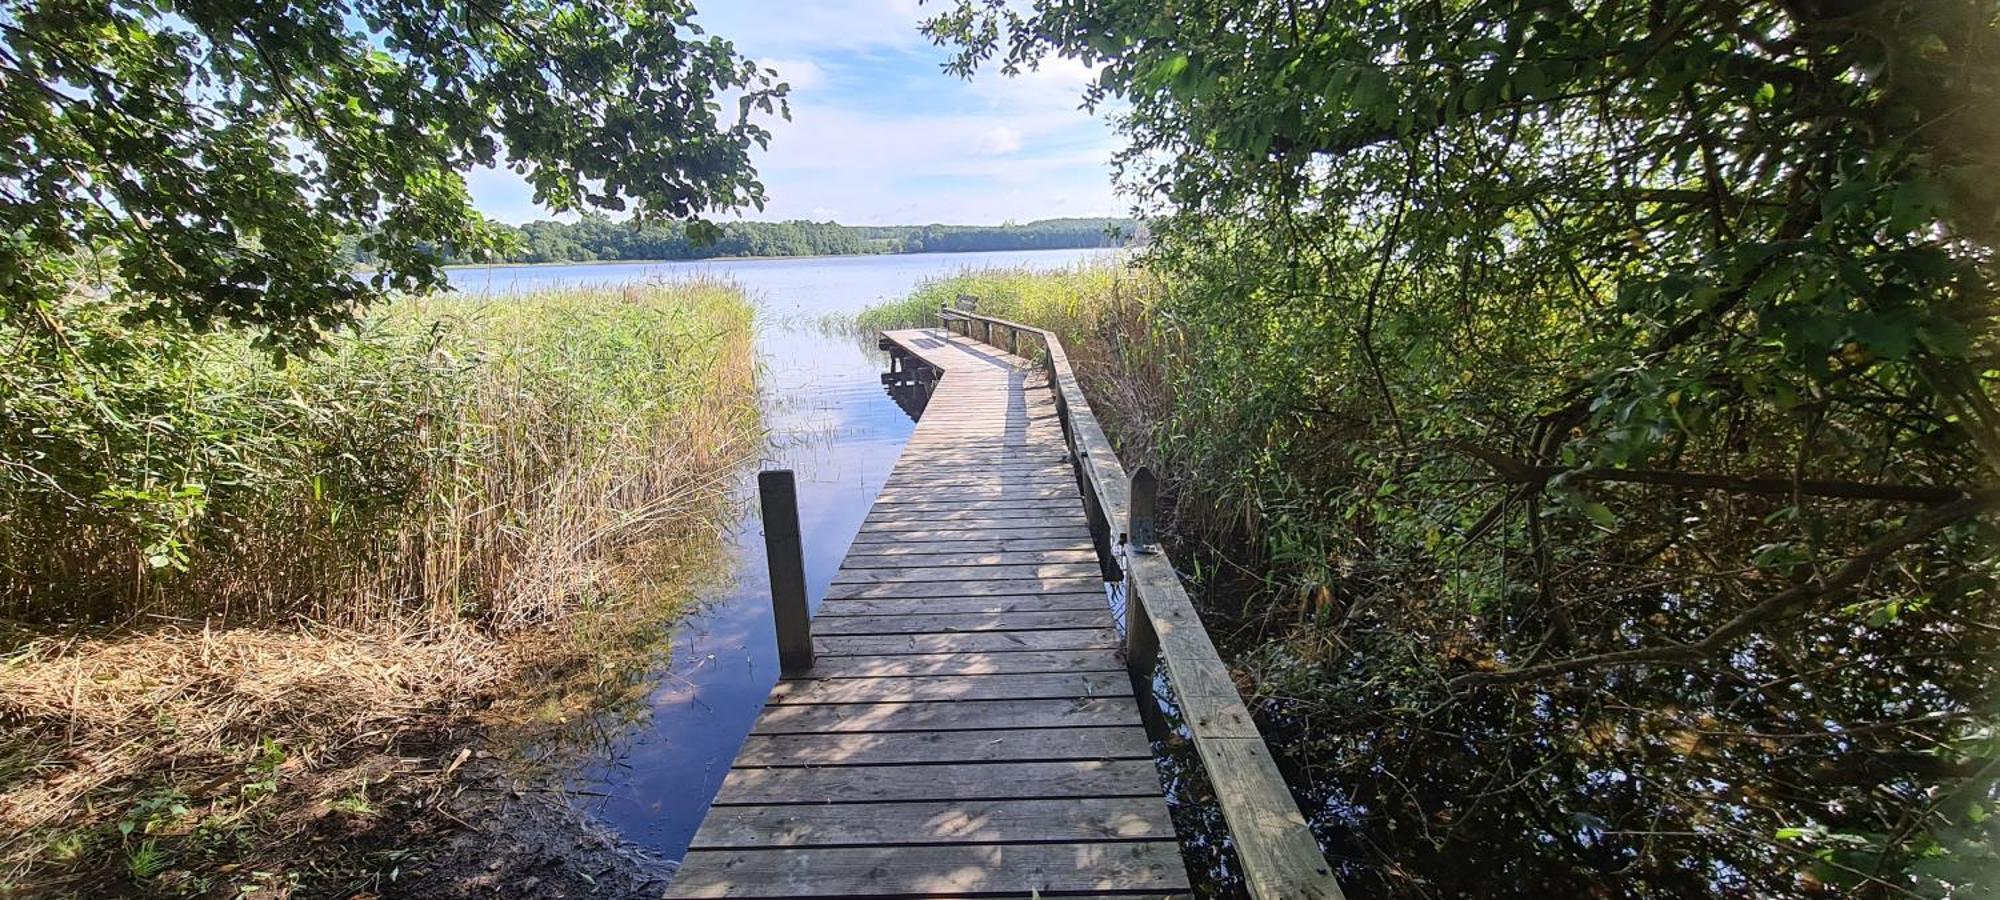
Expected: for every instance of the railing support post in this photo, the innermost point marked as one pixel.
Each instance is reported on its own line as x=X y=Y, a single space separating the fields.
x=778 y=494
x=1142 y=643
x=1141 y=526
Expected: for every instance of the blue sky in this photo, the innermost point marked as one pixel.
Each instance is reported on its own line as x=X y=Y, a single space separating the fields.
x=880 y=136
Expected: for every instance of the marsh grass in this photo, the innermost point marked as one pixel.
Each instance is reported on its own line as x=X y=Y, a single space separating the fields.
x=256 y=616
x=454 y=459
x=1105 y=311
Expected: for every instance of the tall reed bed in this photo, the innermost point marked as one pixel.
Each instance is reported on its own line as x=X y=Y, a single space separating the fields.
x=1105 y=312
x=361 y=537
x=456 y=459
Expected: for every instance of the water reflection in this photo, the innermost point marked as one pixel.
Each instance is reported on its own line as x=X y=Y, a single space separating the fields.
x=651 y=762
x=909 y=381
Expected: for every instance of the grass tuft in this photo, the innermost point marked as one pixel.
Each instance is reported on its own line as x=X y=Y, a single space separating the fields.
x=252 y=613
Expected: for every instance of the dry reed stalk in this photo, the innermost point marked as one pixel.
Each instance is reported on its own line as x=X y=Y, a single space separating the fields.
x=549 y=490
x=98 y=712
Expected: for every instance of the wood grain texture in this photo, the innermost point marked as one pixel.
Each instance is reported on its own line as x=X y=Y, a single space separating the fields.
x=979 y=745
x=823 y=718
x=930 y=688
x=965 y=587
x=966 y=642
x=936 y=822
x=1279 y=856
x=1012 y=620
x=893 y=606
x=943 y=781
x=967 y=728
x=1100 y=660
x=987 y=870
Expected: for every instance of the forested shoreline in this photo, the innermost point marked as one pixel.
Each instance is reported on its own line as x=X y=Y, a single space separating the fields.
x=597 y=238
x=1578 y=422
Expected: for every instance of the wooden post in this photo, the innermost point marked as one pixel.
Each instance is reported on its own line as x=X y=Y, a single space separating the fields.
x=1142 y=643
x=1141 y=529
x=779 y=496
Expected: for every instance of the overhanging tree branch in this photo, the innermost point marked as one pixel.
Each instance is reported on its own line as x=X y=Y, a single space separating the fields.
x=1832 y=587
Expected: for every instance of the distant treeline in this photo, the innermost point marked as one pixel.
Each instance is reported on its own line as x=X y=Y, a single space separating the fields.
x=600 y=238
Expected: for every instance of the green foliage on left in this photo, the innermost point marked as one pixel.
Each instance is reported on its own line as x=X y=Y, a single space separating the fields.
x=458 y=458
x=212 y=155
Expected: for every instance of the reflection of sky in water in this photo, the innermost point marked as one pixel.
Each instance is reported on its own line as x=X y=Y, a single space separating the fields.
x=832 y=424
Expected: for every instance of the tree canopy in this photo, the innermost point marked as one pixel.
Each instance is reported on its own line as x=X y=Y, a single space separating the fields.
x=1624 y=374
x=206 y=159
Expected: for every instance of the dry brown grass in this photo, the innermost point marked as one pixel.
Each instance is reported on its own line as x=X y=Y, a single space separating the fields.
x=580 y=461
x=94 y=726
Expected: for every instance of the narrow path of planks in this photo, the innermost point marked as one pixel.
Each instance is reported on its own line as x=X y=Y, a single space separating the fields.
x=968 y=729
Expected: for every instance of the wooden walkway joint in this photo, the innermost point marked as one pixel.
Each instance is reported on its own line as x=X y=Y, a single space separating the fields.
x=968 y=727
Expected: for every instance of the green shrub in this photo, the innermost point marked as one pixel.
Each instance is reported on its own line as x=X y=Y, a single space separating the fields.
x=450 y=456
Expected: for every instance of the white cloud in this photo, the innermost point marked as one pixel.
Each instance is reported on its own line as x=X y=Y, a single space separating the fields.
x=801 y=74
x=1000 y=141
x=800 y=27
x=879 y=135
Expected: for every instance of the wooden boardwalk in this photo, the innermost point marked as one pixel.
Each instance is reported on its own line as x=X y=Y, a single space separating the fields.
x=969 y=727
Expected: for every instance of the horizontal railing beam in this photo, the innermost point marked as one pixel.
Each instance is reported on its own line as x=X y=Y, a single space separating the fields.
x=1279 y=855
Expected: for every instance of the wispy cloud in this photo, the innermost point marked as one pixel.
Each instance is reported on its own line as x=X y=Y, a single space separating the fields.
x=880 y=135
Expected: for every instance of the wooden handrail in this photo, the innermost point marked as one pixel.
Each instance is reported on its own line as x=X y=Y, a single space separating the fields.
x=1279 y=856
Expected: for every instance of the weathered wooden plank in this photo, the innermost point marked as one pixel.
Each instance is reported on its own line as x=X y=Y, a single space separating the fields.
x=1065 y=530
x=879 y=747
x=1277 y=850
x=963 y=588
x=968 y=729
x=993 y=489
x=866 y=552
x=998 y=509
x=946 y=557
x=1278 y=853
x=966 y=642
x=950 y=622
x=901 y=606
x=929 y=470
x=957 y=715
x=894 y=530
x=951 y=687
x=937 y=822
x=899 y=518
x=985 y=870
x=929 y=466
x=943 y=781
x=951 y=573
x=989 y=486
x=1099 y=660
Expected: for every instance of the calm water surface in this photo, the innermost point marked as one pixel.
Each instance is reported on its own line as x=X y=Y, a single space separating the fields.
x=832 y=424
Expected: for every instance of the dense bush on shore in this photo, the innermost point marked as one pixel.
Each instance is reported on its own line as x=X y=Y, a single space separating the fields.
x=1435 y=638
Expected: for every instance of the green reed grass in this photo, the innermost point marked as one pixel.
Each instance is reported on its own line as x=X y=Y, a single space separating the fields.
x=467 y=458
x=1105 y=313
x=1062 y=300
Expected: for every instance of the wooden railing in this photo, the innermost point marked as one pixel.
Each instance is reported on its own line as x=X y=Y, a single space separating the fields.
x=1279 y=857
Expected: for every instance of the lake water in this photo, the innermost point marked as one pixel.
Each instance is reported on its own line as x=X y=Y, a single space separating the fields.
x=832 y=424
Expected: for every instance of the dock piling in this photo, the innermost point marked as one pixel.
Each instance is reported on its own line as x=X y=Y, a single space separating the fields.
x=778 y=494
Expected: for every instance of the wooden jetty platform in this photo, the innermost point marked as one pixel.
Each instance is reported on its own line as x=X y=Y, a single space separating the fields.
x=968 y=725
